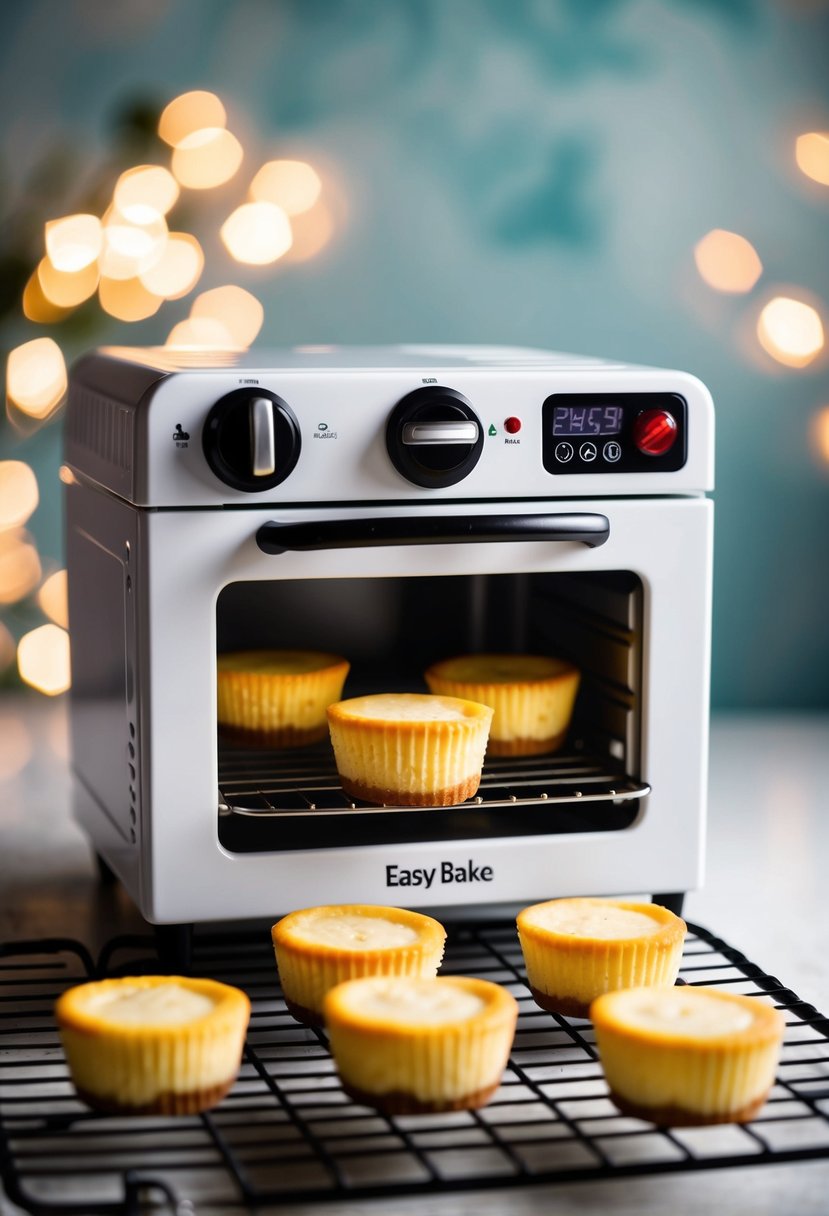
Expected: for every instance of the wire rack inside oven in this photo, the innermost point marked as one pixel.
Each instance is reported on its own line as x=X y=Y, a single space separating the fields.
x=287 y=1132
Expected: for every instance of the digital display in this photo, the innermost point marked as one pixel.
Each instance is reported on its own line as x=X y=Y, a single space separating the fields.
x=572 y=420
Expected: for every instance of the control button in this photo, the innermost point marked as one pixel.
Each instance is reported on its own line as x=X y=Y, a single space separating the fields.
x=512 y=425
x=588 y=451
x=563 y=452
x=654 y=432
x=612 y=451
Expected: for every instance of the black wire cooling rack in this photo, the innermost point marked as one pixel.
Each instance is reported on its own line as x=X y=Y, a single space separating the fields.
x=287 y=1132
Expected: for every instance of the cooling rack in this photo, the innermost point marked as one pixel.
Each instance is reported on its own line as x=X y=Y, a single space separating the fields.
x=287 y=1132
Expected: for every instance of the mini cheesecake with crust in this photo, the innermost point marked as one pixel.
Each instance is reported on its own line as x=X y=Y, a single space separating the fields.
x=277 y=698
x=409 y=1046
x=317 y=948
x=687 y=1055
x=153 y=1044
x=576 y=949
x=532 y=697
x=409 y=749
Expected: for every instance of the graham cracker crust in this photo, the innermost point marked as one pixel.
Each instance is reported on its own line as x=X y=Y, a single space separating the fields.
x=560 y=1004
x=398 y=1102
x=678 y=1116
x=451 y=796
x=525 y=747
x=301 y=1013
x=190 y=1103
x=286 y=736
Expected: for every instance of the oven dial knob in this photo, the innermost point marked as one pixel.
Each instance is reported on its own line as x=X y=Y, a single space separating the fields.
x=434 y=437
x=251 y=440
x=654 y=432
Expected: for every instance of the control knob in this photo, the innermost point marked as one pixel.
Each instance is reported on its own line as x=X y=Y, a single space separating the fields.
x=251 y=440
x=434 y=437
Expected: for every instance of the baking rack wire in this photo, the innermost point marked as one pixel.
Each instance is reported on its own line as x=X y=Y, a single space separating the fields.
x=287 y=1132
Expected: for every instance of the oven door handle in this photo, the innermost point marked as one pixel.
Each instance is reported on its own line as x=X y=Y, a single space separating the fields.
x=583 y=527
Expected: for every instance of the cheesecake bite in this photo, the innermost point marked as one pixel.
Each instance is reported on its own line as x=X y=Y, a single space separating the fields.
x=409 y=749
x=153 y=1044
x=407 y=1045
x=317 y=948
x=278 y=698
x=532 y=697
x=687 y=1055
x=576 y=949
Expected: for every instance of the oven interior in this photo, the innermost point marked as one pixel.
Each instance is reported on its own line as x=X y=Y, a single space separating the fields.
x=391 y=629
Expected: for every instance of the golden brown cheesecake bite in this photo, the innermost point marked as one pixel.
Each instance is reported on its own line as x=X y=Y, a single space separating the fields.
x=687 y=1055
x=278 y=697
x=576 y=949
x=317 y=948
x=153 y=1044
x=409 y=749
x=532 y=697
x=407 y=1045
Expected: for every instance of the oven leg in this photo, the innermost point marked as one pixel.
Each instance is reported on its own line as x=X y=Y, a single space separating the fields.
x=672 y=901
x=175 y=947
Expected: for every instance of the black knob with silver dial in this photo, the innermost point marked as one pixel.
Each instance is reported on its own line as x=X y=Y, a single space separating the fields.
x=434 y=437
x=251 y=440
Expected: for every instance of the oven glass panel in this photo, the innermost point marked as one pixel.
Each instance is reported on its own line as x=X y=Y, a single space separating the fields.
x=391 y=630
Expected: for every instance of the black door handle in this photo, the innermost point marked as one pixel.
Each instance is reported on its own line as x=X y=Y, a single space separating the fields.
x=587 y=528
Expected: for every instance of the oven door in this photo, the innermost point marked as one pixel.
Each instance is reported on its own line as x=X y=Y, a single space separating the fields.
x=620 y=586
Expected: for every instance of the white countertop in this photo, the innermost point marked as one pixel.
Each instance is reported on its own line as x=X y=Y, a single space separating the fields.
x=768 y=844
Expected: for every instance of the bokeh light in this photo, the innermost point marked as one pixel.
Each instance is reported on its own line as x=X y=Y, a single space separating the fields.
x=43 y=659
x=257 y=233
x=791 y=331
x=73 y=242
x=130 y=249
x=238 y=311
x=188 y=113
x=36 y=377
x=179 y=269
x=727 y=261
x=292 y=184
x=201 y=333
x=37 y=308
x=19 y=566
x=206 y=158
x=145 y=192
x=7 y=653
x=812 y=155
x=67 y=289
x=127 y=299
x=820 y=432
x=18 y=493
x=53 y=598
x=311 y=232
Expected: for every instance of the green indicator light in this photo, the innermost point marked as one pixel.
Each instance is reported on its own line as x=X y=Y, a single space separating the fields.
x=493 y=430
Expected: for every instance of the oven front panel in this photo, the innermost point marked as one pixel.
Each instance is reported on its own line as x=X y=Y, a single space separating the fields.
x=184 y=873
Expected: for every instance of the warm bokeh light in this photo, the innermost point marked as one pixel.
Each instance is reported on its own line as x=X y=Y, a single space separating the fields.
x=188 y=113
x=7 y=653
x=201 y=333
x=73 y=242
x=179 y=269
x=207 y=158
x=812 y=155
x=257 y=233
x=15 y=741
x=37 y=308
x=43 y=659
x=127 y=299
x=131 y=249
x=53 y=598
x=67 y=289
x=292 y=184
x=311 y=232
x=20 y=569
x=820 y=431
x=18 y=493
x=36 y=377
x=237 y=310
x=66 y=475
x=791 y=331
x=144 y=192
x=727 y=261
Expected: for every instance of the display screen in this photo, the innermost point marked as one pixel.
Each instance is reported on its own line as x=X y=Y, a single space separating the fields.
x=570 y=420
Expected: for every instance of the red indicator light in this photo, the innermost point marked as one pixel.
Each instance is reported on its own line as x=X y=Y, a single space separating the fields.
x=512 y=425
x=654 y=432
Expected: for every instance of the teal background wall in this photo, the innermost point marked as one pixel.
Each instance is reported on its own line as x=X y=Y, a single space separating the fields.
x=513 y=172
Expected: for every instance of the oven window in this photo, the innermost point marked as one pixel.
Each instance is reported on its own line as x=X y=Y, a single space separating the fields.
x=273 y=798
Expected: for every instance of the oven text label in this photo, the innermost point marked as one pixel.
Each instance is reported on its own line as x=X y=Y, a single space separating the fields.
x=399 y=876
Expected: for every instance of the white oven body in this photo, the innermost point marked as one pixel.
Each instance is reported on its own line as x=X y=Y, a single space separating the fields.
x=144 y=586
